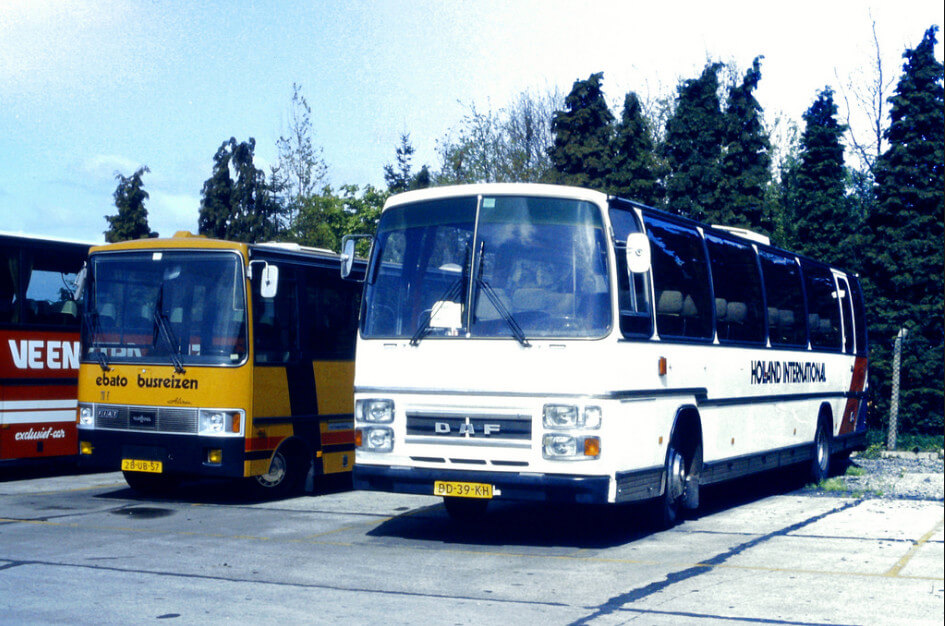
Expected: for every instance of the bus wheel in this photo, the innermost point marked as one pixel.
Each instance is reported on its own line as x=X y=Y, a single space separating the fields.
x=820 y=466
x=682 y=485
x=465 y=509
x=151 y=484
x=286 y=475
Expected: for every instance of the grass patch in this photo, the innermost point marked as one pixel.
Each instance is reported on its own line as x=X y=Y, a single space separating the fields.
x=876 y=441
x=853 y=470
x=832 y=484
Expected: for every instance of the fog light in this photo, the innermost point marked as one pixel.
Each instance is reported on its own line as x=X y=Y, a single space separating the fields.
x=215 y=456
x=85 y=447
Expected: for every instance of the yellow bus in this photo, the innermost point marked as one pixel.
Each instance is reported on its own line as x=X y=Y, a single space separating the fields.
x=208 y=358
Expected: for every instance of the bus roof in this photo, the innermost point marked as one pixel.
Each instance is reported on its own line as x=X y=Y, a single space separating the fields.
x=496 y=189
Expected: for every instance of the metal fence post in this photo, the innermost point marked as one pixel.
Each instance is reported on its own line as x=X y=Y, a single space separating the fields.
x=894 y=402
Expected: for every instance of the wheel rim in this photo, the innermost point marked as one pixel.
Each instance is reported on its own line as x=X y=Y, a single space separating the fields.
x=821 y=449
x=677 y=475
x=276 y=473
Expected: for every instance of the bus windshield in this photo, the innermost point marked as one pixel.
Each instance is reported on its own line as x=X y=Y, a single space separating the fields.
x=536 y=269
x=167 y=307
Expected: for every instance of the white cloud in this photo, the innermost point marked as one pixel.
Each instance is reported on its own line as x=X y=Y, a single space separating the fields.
x=101 y=167
x=169 y=213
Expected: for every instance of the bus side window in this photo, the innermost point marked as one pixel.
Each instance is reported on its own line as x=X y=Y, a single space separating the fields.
x=48 y=297
x=846 y=308
x=275 y=320
x=330 y=315
x=737 y=285
x=9 y=277
x=636 y=317
x=859 y=317
x=823 y=307
x=787 y=318
x=681 y=281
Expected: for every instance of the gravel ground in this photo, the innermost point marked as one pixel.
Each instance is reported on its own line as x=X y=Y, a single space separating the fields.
x=892 y=475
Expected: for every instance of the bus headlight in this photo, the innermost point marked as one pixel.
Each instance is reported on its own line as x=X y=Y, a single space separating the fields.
x=86 y=416
x=374 y=410
x=219 y=422
x=375 y=439
x=568 y=416
x=562 y=447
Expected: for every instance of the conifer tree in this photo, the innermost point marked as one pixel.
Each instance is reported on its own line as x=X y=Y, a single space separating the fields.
x=904 y=265
x=821 y=212
x=401 y=178
x=693 y=147
x=746 y=158
x=242 y=210
x=131 y=222
x=582 y=136
x=634 y=171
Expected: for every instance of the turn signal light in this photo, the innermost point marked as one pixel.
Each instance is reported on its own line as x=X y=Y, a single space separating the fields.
x=592 y=447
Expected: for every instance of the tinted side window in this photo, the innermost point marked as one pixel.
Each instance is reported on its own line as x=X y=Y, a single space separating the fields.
x=739 y=315
x=329 y=315
x=9 y=280
x=636 y=319
x=859 y=315
x=823 y=307
x=846 y=309
x=681 y=281
x=276 y=320
x=787 y=319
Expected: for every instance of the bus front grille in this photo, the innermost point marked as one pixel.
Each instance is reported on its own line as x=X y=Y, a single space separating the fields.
x=148 y=419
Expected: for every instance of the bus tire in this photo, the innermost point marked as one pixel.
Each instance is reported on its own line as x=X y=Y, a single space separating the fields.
x=465 y=510
x=151 y=484
x=681 y=490
x=286 y=476
x=820 y=464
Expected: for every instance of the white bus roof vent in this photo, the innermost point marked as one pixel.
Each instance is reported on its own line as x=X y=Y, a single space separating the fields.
x=744 y=233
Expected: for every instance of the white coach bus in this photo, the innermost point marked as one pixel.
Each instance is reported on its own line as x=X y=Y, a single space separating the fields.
x=540 y=342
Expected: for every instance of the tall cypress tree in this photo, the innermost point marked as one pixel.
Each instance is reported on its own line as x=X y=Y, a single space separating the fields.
x=634 y=171
x=693 y=147
x=582 y=136
x=242 y=210
x=905 y=261
x=131 y=222
x=822 y=215
x=746 y=158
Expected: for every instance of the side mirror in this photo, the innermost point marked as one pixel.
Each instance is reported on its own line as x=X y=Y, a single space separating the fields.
x=269 y=281
x=80 y=283
x=347 y=256
x=638 y=253
x=348 y=253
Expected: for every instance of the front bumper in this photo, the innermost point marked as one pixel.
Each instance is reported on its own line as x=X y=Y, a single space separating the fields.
x=180 y=454
x=511 y=485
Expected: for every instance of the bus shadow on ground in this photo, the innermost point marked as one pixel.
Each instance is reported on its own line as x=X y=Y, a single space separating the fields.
x=46 y=468
x=226 y=492
x=576 y=525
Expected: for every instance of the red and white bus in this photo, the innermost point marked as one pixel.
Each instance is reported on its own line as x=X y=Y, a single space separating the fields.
x=39 y=347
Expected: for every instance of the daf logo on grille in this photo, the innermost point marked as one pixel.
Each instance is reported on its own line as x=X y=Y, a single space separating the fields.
x=467 y=429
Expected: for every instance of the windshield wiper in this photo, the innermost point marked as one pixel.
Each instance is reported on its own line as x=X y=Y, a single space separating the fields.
x=497 y=302
x=454 y=291
x=91 y=324
x=163 y=326
x=165 y=330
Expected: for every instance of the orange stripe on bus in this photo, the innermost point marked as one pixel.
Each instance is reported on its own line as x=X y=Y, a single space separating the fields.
x=256 y=444
x=337 y=437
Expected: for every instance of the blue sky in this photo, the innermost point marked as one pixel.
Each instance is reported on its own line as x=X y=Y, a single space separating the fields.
x=91 y=88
